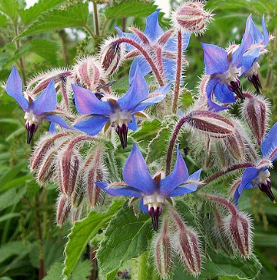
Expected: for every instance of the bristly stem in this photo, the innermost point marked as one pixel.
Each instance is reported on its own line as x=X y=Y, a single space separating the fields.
x=96 y=23
x=172 y=142
x=178 y=73
x=145 y=54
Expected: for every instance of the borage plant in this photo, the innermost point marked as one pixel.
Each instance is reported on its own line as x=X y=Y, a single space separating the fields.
x=193 y=220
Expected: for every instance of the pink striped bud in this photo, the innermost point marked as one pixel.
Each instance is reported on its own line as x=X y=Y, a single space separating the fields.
x=63 y=210
x=186 y=245
x=238 y=228
x=78 y=194
x=191 y=17
x=111 y=55
x=68 y=167
x=255 y=111
x=163 y=251
x=210 y=123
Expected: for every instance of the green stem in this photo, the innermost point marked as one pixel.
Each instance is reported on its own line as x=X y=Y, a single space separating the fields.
x=89 y=31
x=143 y=267
x=96 y=23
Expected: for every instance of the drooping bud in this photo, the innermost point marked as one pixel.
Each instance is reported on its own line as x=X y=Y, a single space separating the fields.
x=110 y=56
x=191 y=17
x=210 y=123
x=223 y=158
x=186 y=245
x=63 y=210
x=255 y=112
x=163 y=251
x=238 y=228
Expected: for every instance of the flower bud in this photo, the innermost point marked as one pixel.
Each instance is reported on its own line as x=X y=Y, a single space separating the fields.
x=210 y=123
x=110 y=56
x=255 y=112
x=163 y=251
x=186 y=245
x=223 y=158
x=191 y=17
x=238 y=228
x=63 y=210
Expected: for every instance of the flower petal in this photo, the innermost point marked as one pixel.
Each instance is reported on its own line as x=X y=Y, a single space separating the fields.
x=47 y=101
x=117 y=191
x=87 y=103
x=269 y=144
x=137 y=92
x=58 y=120
x=52 y=128
x=249 y=58
x=178 y=176
x=215 y=58
x=136 y=174
x=132 y=36
x=171 y=44
x=223 y=94
x=153 y=30
x=133 y=125
x=157 y=96
x=169 y=66
x=91 y=124
x=143 y=66
x=143 y=208
x=14 y=89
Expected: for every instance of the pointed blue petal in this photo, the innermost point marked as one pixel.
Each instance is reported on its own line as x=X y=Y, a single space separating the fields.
x=223 y=94
x=153 y=30
x=133 y=125
x=171 y=44
x=169 y=66
x=180 y=191
x=269 y=144
x=249 y=58
x=91 y=125
x=47 y=101
x=257 y=36
x=14 y=89
x=58 y=120
x=52 y=128
x=87 y=103
x=265 y=33
x=215 y=58
x=143 y=66
x=143 y=208
x=157 y=96
x=178 y=176
x=137 y=92
x=136 y=174
x=118 y=191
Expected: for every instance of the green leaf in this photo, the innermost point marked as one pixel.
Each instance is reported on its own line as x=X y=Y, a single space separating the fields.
x=54 y=272
x=126 y=237
x=3 y=20
x=75 y=16
x=13 y=248
x=11 y=197
x=33 y=12
x=9 y=216
x=82 y=232
x=11 y=7
x=130 y=8
x=265 y=240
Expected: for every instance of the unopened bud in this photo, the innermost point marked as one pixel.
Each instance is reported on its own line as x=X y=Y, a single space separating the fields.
x=223 y=158
x=163 y=251
x=191 y=17
x=63 y=210
x=186 y=245
x=210 y=123
x=110 y=56
x=238 y=228
x=255 y=110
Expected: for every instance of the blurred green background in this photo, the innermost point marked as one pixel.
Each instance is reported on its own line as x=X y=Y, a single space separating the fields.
x=27 y=212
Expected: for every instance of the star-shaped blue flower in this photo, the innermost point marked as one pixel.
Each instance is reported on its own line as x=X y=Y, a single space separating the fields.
x=259 y=176
x=153 y=192
x=155 y=40
x=36 y=110
x=120 y=113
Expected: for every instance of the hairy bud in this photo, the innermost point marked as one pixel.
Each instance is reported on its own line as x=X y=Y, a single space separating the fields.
x=63 y=210
x=191 y=17
x=255 y=110
x=210 y=123
x=186 y=245
x=110 y=56
x=163 y=251
x=238 y=228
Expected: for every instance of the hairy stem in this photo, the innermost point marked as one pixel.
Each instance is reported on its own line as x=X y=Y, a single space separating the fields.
x=93 y=272
x=63 y=36
x=89 y=31
x=178 y=73
x=172 y=142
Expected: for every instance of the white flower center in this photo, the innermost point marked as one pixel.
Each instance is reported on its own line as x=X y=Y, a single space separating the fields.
x=252 y=71
x=262 y=178
x=120 y=117
x=155 y=200
x=229 y=76
x=31 y=118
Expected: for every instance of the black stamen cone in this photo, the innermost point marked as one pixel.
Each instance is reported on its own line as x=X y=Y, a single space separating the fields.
x=155 y=214
x=254 y=79
x=266 y=188
x=236 y=88
x=122 y=133
x=30 y=132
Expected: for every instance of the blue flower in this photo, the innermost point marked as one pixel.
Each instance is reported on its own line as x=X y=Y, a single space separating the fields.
x=223 y=68
x=120 y=113
x=36 y=110
x=152 y=192
x=259 y=176
x=155 y=41
x=255 y=44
